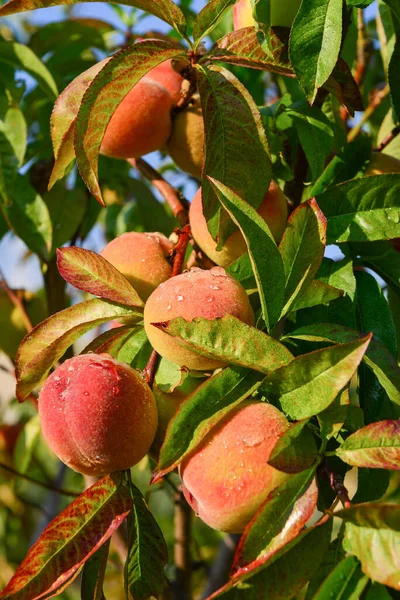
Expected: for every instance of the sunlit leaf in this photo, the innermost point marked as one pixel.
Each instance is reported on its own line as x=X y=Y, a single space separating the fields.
x=375 y=446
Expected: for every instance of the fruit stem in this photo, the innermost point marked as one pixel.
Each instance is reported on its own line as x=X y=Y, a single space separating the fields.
x=177 y=203
x=42 y=484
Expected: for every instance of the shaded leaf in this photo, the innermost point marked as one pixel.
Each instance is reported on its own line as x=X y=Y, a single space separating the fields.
x=316 y=293
x=233 y=128
x=93 y=574
x=332 y=419
x=296 y=450
x=267 y=265
x=67 y=209
x=375 y=446
x=71 y=539
x=48 y=341
x=311 y=382
x=331 y=559
x=90 y=272
x=345 y=582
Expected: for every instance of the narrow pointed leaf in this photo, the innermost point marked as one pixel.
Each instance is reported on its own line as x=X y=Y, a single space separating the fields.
x=232 y=341
x=48 y=341
x=209 y=17
x=233 y=128
x=93 y=574
x=201 y=411
x=148 y=553
x=267 y=265
x=362 y=209
x=311 y=382
x=279 y=520
x=376 y=446
x=22 y=57
x=376 y=515
x=70 y=540
x=107 y=90
x=296 y=450
x=90 y=272
x=63 y=118
x=165 y=10
x=346 y=581
x=302 y=249
x=316 y=293
x=242 y=48
x=315 y=43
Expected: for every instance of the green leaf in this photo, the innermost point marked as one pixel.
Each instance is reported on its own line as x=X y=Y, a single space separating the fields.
x=22 y=57
x=315 y=41
x=242 y=271
x=48 y=341
x=376 y=515
x=27 y=214
x=296 y=450
x=148 y=553
x=93 y=574
x=393 y=79
x=375 y=446
x=362 y=209
x=376 y=591
x=331 y=559
x=113 y=342
x=346 y=582
x=233 y=128
x=267 y=265
x=232 y=341
x=14 y=128
x=316 y=293
x=208 y=18
x=311 y=382
x=107 y=90
x=243 y=49
x=92 y=273
x=302 y=249
x=26 y=444
x=314 y=131
x=201 y=411
x=70 y=540
x=166 y=10
x=278 y=521
x=383 y=259
x=63 y=119
x=332 y=419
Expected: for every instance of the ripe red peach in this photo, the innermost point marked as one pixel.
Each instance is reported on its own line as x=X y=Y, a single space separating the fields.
x=196 y=293
x=142 y=121
x=282 y=13
x=227 y=477
x=97 y=415
x=141 y=258
x=273 y=209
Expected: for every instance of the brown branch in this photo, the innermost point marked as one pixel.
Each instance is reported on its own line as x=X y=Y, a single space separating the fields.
x=363 y=46
x=183 y=520
x=390 y=137
x=376 y=101
x=336 y=483
x=149 y=372
x=177 y=203
x=47 y=486
x=17 y=301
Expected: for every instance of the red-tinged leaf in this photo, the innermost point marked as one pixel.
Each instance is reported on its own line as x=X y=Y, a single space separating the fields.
x=63 y=117
x=110 y=341
x=70 y=540
x=92 y=273
x=296 y=450
x=233 y=128
x=376 y=446
x=93 y=574
x=286 y=572
x=48 y=341
x=148 y=552
x=302 y=249
x=242 y=48
x=376 y=515
x=278 y=521
x=166 y=10
x=201 y=411
x=107 y=90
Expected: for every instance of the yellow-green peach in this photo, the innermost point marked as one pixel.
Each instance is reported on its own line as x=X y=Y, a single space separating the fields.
x=185 y=145
x=283 y=13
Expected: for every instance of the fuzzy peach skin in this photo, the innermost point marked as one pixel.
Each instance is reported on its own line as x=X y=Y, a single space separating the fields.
x=283 y=13
x=273 y=209
x=226 y=479
x=142 y=258
x=97 y=415
x=185 y=145
x=169 y=78
x=196 y=293
x=381 y=164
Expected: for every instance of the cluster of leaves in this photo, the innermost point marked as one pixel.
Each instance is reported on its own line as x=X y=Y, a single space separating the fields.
x=325 y=347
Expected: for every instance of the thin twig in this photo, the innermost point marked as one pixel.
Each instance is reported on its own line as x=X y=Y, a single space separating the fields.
x=183 y=563
x=390 y=137
x=376 y=101
x=336 y=483
x=362 y=47
x=173 y=198
x=18 y=303
x=47 y=486
x=149 y=371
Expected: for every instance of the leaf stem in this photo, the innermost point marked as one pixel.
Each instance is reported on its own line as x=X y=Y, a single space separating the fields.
x=47 y=486
x=376 y=101
x=336 y=483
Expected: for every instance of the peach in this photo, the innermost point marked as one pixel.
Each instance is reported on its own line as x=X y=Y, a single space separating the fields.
x=273 y=209
x=227 y=477
x=196 y=293
x=169 y=78
x=283 y=13
x=185 y=145
x=141 y=258
x=381 y=164
x=12 y=326
x=97 y=415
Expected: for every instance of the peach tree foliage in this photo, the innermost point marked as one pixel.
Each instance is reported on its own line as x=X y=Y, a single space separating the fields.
x=324 y=327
